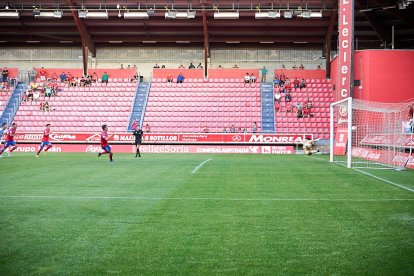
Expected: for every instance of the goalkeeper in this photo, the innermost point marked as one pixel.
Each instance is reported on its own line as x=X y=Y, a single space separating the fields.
x=307 y=146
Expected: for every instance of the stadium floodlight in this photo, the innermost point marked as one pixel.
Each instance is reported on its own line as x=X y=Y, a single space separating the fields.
x=32 y=41
x=267 y=15
x=288 y=14
x=266 y=42
x=149 y=41
x=182 y=41
x=49 y=14
x=136 y=15
x=115 y=41
x=9 y=14
x=82 y=14
x=316 y=14
x=97 y=15
x=226 y=15
x=306 y=14
x=180 y=15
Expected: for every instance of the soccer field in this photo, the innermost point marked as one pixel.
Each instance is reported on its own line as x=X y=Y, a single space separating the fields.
x=236 y=214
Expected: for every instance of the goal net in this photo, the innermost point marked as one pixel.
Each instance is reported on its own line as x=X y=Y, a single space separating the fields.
x=368 y=134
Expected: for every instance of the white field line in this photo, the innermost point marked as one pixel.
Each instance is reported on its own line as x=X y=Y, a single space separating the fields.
x=374 y=176
x=199 y=166
x=143 y=198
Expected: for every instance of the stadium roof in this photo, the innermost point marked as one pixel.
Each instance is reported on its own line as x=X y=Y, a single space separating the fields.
x=374 y=20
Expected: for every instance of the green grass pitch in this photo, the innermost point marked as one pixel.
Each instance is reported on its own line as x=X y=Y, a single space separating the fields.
x=78 y=214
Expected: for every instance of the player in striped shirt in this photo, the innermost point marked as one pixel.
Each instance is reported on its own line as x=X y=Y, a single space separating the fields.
x=3 y=132
x=10 y=140
x=104 y=143
x=45 y=140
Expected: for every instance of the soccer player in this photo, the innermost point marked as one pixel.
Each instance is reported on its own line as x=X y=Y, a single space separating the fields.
x=104 y=143
x=10 y=140
x=45 y=140
x=138 y=138
x=307 y=146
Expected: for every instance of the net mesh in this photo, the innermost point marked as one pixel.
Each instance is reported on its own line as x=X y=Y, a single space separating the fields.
x=381 y=134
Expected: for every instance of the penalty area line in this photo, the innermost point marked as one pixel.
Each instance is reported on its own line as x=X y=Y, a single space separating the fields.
x=199 y=166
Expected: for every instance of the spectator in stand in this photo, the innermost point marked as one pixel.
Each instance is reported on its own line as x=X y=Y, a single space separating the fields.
x=36 y=96
x=247 y=78
x=318 y=67
x=199 y=66
x=288 y=97
x=129 y=66
x=33 y=85
x=191 y=66
x=252 y=78
x=105 y=78
x=88 y=81
x=5 y=74
x=170 y=78
x=135 y=67
x=48 y=91
x=220 y=67
x=294 y=67
x=180 y=78
x=278 y=96
x=206 y=130
x=276 y=81
x=32 y=74
x=181 y=67
x=239 y=130
x=47 y=106
x=134 y=79
x=147 y=128
x=288 y=86
x=235 y=66
x=163 y=66
x=156 y=66
x=301 y=67
x=30 y=94
x=307 y=109
x=277 y=106
x=232 y=129
x=134 y=124
x=283 y=66
x=122 y=66
x=42 y=74
x=82 y=81
x=299 y=112
x=289 y=107
x=302 y=84
x=62 y=77
x=54 y=77
x=296 y=83
x=264 y=73
x=282 y=78
x=224 y=130
x=254 y=127
x=94 y=77
x=42 y=106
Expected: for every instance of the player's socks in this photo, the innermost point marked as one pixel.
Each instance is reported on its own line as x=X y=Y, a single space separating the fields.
x=110 y=157
x=99 y=154
x=40 y=150
x=13 y=148
x=48 y=148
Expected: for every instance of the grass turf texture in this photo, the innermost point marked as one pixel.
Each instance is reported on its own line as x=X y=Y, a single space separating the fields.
x=238 y=214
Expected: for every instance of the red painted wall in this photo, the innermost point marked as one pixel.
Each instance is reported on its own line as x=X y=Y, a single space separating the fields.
x=187 y=73
x=233 y=73
x=113 y=73
x=385 y=75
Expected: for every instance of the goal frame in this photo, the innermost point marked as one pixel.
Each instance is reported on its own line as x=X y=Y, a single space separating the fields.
x=349 y=129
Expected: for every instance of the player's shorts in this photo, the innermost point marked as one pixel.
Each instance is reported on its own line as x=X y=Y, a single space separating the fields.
x=106 y=148
x=46 y=143
x=10 y=143
x=138 y=142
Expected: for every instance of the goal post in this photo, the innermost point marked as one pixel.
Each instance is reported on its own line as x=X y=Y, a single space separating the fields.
x=365 y=134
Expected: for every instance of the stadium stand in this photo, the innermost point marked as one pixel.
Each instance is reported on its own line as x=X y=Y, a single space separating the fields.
x=319 y=91
x=216 y=103
x=4 y=99
x=78 y=109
